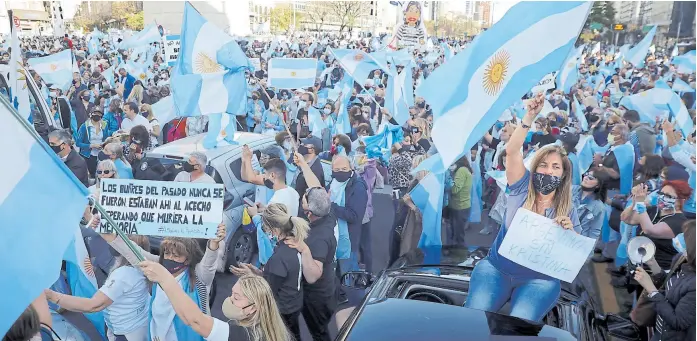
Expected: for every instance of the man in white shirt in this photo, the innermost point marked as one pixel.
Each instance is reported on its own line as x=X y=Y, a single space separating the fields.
x=194 y=170
x=274 y=178
x=133 y=119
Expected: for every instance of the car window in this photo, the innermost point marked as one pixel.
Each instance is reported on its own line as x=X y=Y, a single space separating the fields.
x=236 y=168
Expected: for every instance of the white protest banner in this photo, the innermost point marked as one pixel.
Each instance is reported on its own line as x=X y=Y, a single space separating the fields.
x=162 y=208
x=545 y=84
x=172 y=43
x=256 y=62
x=537 y=243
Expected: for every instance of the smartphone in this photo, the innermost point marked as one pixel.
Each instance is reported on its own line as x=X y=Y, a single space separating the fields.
x=248 y=202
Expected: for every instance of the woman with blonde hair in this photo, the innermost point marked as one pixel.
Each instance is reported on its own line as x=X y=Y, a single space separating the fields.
x=136 y=95
x=106 y=169
x=544 y=190
x=283 y=271
x=146 y=110
x=420 y=135
x=251 y=305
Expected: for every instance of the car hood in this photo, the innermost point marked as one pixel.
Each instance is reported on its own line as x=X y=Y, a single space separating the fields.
x=398 y=319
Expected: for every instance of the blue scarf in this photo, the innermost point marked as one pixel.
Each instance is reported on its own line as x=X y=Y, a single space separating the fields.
x=184 y=332
x=576 y=171
x=476 y=191
x=337 y=193
x=123 y=169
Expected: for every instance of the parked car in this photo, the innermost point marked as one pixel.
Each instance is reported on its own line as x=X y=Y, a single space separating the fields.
x=421 y=297
x=224 y=165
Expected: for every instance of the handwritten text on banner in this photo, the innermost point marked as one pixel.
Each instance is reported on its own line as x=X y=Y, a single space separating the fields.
x=162 y=208
x=538 y=243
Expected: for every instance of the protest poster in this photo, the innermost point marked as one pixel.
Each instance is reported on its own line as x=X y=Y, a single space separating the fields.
x=162 y=208
x=172 y=44
x=548 y=82
x=539 y=244
x=256 y=63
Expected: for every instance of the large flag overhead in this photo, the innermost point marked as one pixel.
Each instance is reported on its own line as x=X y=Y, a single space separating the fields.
x=150 y=34
x=637 y=54
x=680 y=85
x=428 y=198
x=39 y=182
x=468 y=93
x=56 y=69
x=685 y=63
x=209 y=74
x=358 y=63
x=292 y=73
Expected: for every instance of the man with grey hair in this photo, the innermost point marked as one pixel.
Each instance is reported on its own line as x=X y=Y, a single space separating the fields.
x=318 y=265
x=194 y=169
x=61 y=142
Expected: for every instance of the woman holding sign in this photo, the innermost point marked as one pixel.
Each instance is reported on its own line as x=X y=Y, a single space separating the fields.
x=547 y=192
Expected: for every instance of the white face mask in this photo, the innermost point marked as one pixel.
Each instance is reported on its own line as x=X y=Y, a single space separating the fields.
x=232 y=311
x=326 y=111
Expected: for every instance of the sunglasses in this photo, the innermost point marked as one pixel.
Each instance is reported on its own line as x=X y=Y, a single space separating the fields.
x=589 y=177
x=105 y=172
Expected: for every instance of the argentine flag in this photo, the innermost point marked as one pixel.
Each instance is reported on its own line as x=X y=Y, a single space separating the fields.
x=150 y=34
x=468 y=93
x=638 y=53
x=38 y=181
x=292 y=73
x=343 y=123
x=108 y=74
x=428 y=198
x=209 y=74
x=681 y=86
x=685 y=63
x=395 y=94
x=56 y=69
x=357 y=63
x=568 y=76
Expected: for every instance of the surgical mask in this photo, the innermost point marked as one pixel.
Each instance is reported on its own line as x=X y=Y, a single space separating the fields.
x=341 y=176
x=102 y=156
x=326 y=111
x=272 y=238
x=255 y=97
x=545 y=183
x=679 y=243
x=268 y=183
x=557 y=97
x=603 y=105
x=499 y=125
x=172 y=266
x=272 y=107
x=187 y=167
x=611 y=139
x=287 y=145
x=57 y=149
x=232 y=311
x=665 y=202
x=303 y=150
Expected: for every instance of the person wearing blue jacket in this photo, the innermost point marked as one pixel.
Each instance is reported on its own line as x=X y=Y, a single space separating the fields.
x=271 y=120
x=90 y=138
x=255 y=109
x=128 y=82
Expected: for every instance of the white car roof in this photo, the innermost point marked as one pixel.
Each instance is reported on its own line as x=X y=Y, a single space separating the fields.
x=183 y=147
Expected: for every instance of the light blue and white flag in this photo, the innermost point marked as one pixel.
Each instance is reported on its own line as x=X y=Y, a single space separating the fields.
x=579 y=113
x=18 y=78
x=428 y=198
x=447 y=51
x=568 y=76
x=674 y=53
x=150 y=34
x=209 y=75
x=164 y=109
x=108 y=75
x=596 y=48
x=292 y=73
x=685 y=63
x=343 y=123
x=681 y=86
x=81 y=279
x=56 y=69
x=395 y=97
x=36 y=182
x=357 y=63
x=638 y=53
x=93 y=46
x=469 y=93
x=136 y=70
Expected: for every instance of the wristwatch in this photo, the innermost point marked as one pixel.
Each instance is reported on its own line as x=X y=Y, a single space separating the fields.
x=653 y=293
x=525 y=126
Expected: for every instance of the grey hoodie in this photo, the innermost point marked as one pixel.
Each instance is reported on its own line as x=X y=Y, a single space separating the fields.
x=647 y=139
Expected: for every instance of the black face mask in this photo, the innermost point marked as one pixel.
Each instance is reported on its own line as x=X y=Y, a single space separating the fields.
x=268 y=183
x=303 y=150
x=421 y=105
x=96 y=118
x=57 y=149
x=352 y=98
x=102 y=156
x=545 y=183
x=172 y=266
x=85 y=98
x=187 y=167
x=341 y=176
x=255 y=98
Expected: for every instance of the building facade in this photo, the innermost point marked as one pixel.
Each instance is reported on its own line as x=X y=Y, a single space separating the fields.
x=233 y=17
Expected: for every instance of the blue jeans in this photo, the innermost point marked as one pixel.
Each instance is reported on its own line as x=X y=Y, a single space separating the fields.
x=490 y=289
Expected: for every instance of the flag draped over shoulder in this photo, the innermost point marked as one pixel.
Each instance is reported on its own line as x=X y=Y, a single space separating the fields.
x=32 y=244
x=469 y=92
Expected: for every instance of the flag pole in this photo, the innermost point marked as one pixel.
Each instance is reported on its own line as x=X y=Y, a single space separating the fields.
x=118 y=231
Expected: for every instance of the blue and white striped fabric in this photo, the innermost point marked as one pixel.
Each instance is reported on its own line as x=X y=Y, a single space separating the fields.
x=108 y=75
x=578 y=112
x=292 y=73
x=38 y=181
x=209 y=75
x=638 y=53
x=56 y=69
x=681 y=86
x=150 y=34
x=136 y=70
x=428 y=198
x=685 y=63
x=81 y=276
x=343 y=123
x=357 y=63
x=381 y=142
x=395 y=94
x=469 y=93
x=164 y=110
x=568 y=76
x=586 y=148
x=656 y=102
x=93 y=46
x=596 y=48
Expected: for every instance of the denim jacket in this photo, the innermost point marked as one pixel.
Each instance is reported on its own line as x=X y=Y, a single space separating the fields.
x=591 y=213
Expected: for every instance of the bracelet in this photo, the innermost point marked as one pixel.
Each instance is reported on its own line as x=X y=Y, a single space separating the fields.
x=525 y=126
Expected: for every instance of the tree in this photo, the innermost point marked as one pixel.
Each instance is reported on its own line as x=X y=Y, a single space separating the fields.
x=602 y=13
x=282 y=18
x=318 y=13
x=135 y=21
x=347 y=13
x=98 y=13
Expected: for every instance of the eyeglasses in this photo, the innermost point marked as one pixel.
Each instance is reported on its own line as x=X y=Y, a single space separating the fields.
x=589 y=177
x=105 y=172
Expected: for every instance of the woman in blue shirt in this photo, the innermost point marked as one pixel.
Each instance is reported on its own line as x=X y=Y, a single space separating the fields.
x=271 y=121
x=547 y=191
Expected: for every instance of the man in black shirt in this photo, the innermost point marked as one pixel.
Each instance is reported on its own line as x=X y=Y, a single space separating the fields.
x=309 y=149
x=318 y=252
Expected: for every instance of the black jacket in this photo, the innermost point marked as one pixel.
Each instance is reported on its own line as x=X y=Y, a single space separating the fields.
x=78 y=166
x=81 y=113
x=354 y=208
x=677 y=305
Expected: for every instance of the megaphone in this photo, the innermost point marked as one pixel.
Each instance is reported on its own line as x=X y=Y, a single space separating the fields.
x=640 y=249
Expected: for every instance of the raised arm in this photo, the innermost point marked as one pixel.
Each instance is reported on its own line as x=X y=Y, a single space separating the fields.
x=247 y=172
x=310 y=177
x=515 y=168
